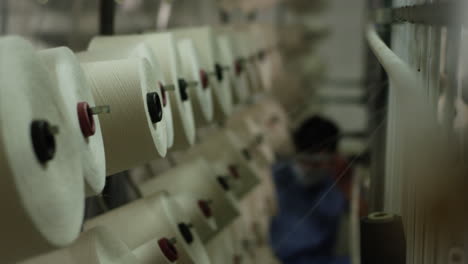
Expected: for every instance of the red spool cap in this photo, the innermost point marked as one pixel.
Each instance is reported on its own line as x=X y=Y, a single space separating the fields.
x=205 y=81
x=168 y=249
x=205 y=208
x=163 y=94
x=86 y=119
x=238 y=67
x=234 y=171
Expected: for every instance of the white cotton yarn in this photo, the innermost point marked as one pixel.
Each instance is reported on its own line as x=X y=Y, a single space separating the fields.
x=262 y=150
x=96 y=246
x=164 y=46
x=221 y=248
x=425 y=180
x=252 y=135
x=140 y=224
x=264 y=41
x=120 y=47
x=197 y=179
x=190 y=67
x=205 y=227
x=205 y=43
x=237 y=75
x=43 y=203
x=225 y=154
x=130 y=138
x=243 y=43
x=243 y=237
x=196 y=250
x=254 y=46
x=67 y=72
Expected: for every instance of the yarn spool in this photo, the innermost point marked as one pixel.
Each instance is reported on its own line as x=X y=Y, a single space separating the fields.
x=243 y=239
x=261 y=148
x=192 y=71
x=221 y=249
x=256 y=56
x=205 y=43
x=198 y=179
x=236 y=73
x=263 y=38
x=268 y=115
x=243 y=43
x=252 y=135
x=232 y=162
x=382 y=239
x=96 y=246
x=139 y=227
x=126 y=47
x=42 y=177
x=130 y=134
x=195 y=249
x=256 y=207
x=164 y=46
x=142 y=223
x=67 y=72
x=274 y=119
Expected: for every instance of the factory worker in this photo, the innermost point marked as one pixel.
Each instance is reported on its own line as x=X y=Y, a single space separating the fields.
x=313 y=189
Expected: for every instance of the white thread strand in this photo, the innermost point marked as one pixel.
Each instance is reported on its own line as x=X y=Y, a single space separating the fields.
x=426 y=175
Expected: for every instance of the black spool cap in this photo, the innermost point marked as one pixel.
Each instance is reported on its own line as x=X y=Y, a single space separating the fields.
x=155 y=109
x=183 y=86
x=259 y=139
x=219 y=72
x=246 y=154
x=186 y=233
x=223 y=182
x=383 y=239
x=261 y=55
x=43 y=140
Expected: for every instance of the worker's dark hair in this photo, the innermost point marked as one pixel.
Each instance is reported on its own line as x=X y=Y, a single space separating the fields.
x=316 y=134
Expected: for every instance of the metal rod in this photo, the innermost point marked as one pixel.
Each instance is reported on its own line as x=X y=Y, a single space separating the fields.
x=53 y=129
x=169 y=87
x=101 y=109
x=437 y=14
x=192 y=83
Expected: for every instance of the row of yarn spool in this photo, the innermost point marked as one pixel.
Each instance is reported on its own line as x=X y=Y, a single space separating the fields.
x=69 y=120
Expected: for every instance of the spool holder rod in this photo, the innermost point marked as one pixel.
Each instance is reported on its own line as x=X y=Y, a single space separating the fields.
x=101 y=109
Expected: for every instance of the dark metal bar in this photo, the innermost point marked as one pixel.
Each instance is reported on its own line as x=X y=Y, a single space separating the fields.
x=376 y=84
x=106 y=17
x=436 y=14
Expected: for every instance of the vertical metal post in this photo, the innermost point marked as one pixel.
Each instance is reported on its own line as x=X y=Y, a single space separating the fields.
x=106 y=17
